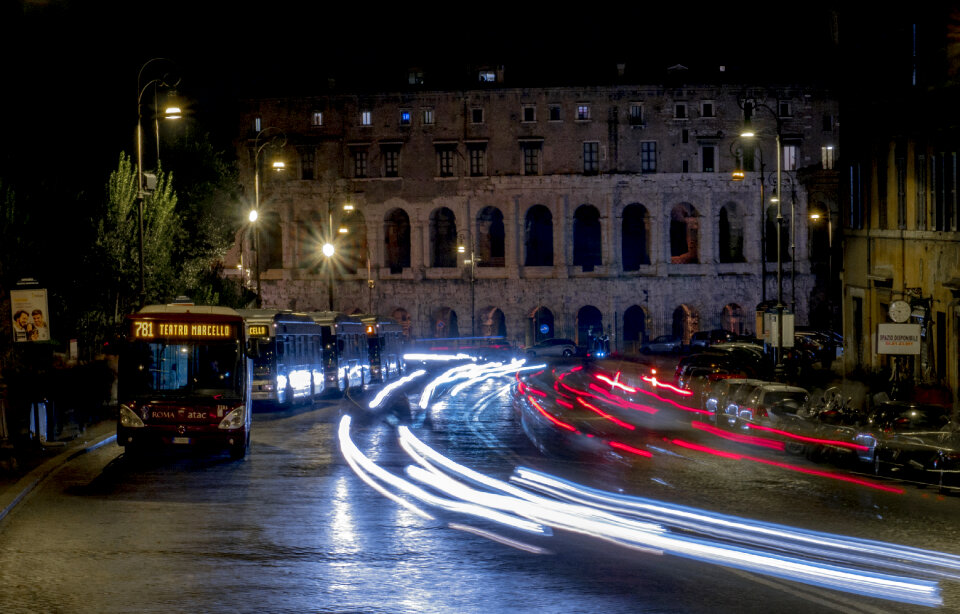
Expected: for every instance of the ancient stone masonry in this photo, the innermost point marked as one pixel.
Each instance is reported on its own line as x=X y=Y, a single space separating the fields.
x=533 y=213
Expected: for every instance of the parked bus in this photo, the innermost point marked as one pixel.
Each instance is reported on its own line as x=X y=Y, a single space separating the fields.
x=345 y=360
x=384 y=347
x=184 y=379
x=287 y=357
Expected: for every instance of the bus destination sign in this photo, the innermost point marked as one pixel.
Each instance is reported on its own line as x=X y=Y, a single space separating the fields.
x=152 y=329
x=257 y=330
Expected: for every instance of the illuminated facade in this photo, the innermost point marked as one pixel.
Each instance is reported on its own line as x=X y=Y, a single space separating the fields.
x=601 y=208
x=901 y=234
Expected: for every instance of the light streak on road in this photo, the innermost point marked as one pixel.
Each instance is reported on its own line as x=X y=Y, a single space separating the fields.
x=386 y=390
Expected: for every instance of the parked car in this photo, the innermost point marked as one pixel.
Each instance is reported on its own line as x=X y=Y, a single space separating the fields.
x=727 y=406
x=705 y=338
x=910 y=437
x=774 y=405
x=664 y=344
x=706 y=364
x=553 y=347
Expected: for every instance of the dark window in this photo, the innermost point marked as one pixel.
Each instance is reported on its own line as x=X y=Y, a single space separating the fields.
x=586 y=237
x=476 y=116
x=708 y=154
x=391 y=162
x=529 y=114
x=359 y=163
x=478 y=160
x=554 y=113
x=680 y=111
x=307 y=163
x=648 y=157
x=707 y=109
x=538 y=237
x=591 y=158
x=445 y=160
x=531 y=158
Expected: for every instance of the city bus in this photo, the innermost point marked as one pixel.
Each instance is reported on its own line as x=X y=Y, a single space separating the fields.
x=384 y=347
x=287 y=356
x=346 y=362
x=184 y=379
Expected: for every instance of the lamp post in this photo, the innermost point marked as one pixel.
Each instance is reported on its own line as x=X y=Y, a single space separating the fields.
x=779 y=368
x=462 y=249
x=278 y=139
x=171 y=112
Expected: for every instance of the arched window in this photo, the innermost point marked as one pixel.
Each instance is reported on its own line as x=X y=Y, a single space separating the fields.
x=271 y=241
x=586 y=237
x=492 y=323
x=443 y=238
x=684 y=234
x=634 y=327
x=730 y=234
x=538 y=237
x=541 y=325
x=634 y=248
x=445 y=323
x=490 y=237
x=396 y=237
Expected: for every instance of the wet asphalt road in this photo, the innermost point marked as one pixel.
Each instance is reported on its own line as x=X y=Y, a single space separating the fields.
x=293 y=529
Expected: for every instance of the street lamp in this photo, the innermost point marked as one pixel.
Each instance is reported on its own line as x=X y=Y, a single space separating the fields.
x=779 y=369
x=462 y=249
x=278 y=139
x=171 y=112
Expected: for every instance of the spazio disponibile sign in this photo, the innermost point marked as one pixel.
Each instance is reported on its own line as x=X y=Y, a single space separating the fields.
x=898 y=339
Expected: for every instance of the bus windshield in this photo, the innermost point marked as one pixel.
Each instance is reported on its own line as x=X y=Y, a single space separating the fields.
x=263 y=361
x=181 y=369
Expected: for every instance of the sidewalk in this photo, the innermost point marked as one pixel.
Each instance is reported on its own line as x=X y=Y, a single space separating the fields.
x=34 y=467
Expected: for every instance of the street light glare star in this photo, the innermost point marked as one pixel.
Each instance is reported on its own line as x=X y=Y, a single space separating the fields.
x=327 y=249
x=253 y=215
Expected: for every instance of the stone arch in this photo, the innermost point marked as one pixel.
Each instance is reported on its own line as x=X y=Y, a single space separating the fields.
x=686 y=321
x=492 y=322
x=538 y=237
x=541 y=325
x=589 y=322
x=586 y=237
x=634 y=328
x=732 y=318
x=443 y=238
x=730 y=234
x=634 y=240
x=396 y=239
x=684 y=234
x=491 y=238
x=770 y=227
x=444 y=323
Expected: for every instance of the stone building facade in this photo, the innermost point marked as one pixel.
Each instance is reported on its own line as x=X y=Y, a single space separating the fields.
x=575 y=209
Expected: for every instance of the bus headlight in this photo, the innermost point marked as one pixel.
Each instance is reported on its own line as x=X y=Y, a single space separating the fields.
x=235 y=419
x=129 y=418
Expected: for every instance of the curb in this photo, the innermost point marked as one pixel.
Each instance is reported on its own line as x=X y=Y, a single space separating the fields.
x=10 y=497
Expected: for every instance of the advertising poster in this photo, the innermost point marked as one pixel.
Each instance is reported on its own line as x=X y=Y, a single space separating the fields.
x=29 y=311
x=898 y=339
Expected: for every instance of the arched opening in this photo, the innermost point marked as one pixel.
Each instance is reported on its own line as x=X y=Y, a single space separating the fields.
x=491 y=237
x=684 y=234
x=634 y=328
x=443 y=238
x=730 y=234
x=538 y=237
x=686 y=321
x=271 y=242
x=541 y=325
x=589 y=324
x=445 y=323
x=396 y=237
x=634 y=250
x=402 y=316
x=586 y=237
x=492 y=323
x=732 y=319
